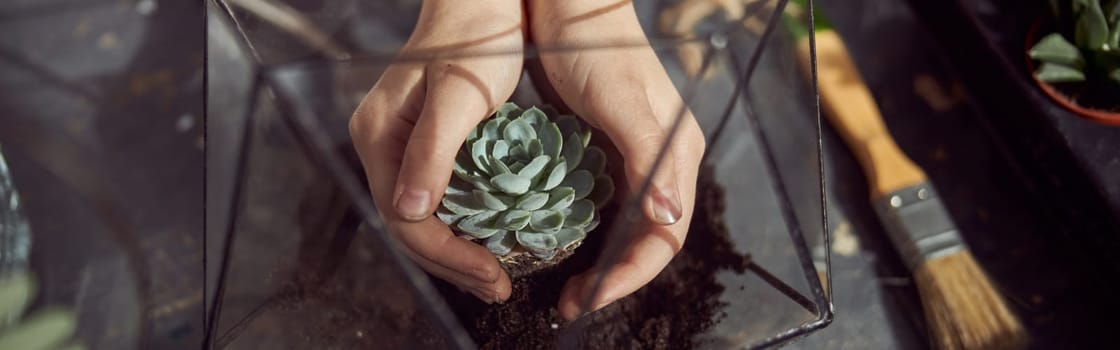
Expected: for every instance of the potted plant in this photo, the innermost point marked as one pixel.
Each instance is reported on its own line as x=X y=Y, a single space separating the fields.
x=528 y=185
x=1082 y=74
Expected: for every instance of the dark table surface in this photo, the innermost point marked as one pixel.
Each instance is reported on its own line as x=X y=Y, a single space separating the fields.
x=122 y=84
x=939 y=122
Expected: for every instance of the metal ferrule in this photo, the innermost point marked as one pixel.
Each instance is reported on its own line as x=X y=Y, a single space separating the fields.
x=918 y=224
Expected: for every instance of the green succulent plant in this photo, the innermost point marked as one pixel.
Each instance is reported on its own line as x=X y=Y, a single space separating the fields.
x=1095 y=51
x=48 y=328
x=527 y=180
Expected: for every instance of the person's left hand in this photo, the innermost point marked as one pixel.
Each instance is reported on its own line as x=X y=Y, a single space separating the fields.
x=461 y=62
x=625 y=92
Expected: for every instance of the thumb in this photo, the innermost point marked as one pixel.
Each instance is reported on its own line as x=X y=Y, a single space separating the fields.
x=640 y=139
x=454 y=105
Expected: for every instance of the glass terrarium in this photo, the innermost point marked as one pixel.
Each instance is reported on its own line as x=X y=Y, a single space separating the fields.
x=304 y=260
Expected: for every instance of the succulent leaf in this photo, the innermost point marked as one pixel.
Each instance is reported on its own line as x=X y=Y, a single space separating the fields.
x=514 y=219
x=519 y=151
x=462 y=204
x=500 y=149
x=458 y=186
x=519 y=131
x=535 y=117
x=479 y=225
x=1056 y=73
x=580 y=213
x=536 y=149
x=594 y=160
x=555 y=176
x=1055 y=49
x=560 y=198
x=1091 y=30
x=480 y=156
x=568 y=236
x=532 y=201
x=551 y=140
x=507 y=109
x=548 y=221
x=511 y=183
x=492 y=201
x=1112 y=17
x=536 y=240
x=603 y=191
x=594 y=223
x=447 y=216
x=527 y=181
x=573 y=151
x=476 y=180
x=498 y=167
x=501 y=243
x=580 y=180
x=490 y=130
x=544 y=254
x=533 y=170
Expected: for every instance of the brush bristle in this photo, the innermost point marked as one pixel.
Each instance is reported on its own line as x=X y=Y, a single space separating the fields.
x=962 y=309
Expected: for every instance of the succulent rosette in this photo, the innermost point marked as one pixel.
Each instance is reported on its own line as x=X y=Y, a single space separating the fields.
x=527 y=181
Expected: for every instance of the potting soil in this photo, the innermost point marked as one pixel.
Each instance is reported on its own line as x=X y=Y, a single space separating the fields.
x=355 y=307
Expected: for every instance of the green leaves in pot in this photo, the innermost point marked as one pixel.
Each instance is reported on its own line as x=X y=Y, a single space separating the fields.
x=1095 y=52
x=527 y=180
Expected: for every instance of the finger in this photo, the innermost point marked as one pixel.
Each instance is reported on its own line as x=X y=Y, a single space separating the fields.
x=650 y=252
x=635 y=130
x=434 y=241
x=455 y=103
x=495 y=292
x=652 y=248
x=376 y=131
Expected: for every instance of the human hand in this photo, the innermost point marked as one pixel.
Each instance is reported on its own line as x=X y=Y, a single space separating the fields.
x=622 y=89
x=409 y=127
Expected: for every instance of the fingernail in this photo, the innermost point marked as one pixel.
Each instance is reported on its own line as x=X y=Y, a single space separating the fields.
x=666 y=210
x=414 y=204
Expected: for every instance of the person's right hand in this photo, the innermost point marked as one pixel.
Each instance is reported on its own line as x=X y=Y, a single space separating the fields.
x=461 y=62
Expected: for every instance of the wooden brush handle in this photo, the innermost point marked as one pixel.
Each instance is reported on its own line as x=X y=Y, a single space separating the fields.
x=851 y=110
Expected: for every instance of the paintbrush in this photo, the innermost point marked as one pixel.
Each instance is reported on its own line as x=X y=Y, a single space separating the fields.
x=962 y=309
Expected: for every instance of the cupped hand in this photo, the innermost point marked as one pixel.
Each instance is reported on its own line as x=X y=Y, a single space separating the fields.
x=462 y=61
x=619 y=86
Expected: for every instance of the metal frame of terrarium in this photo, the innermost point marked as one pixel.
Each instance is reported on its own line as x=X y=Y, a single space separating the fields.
x=299 y=117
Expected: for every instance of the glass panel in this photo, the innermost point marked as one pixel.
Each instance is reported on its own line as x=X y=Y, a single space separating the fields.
x=300 y=273
x=744 y=278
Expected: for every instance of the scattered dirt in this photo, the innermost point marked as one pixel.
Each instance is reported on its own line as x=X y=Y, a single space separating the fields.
x=681 y=302
x=354 y=303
